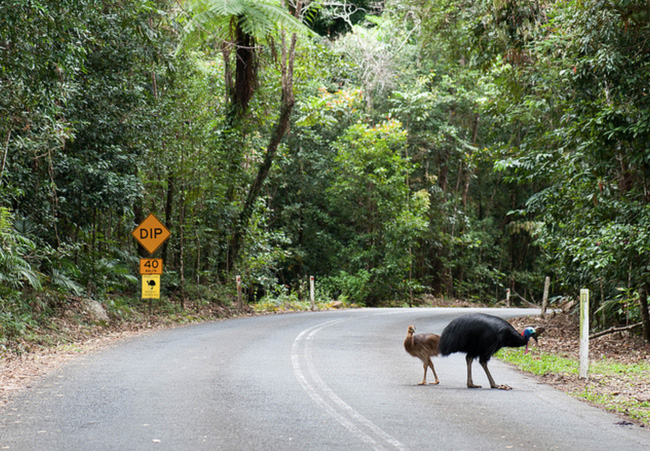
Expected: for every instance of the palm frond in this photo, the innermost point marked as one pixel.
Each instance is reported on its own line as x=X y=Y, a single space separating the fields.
x=32 y=277
x=15 y=271
x=25 y=226
x=61 y=280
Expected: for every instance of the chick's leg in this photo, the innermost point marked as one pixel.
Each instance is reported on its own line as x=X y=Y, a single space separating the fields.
x=424 y=378
x=430 y=364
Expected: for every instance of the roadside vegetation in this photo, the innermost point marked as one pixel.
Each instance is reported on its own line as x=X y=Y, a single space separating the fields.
x=619 y=370
x=613 y=385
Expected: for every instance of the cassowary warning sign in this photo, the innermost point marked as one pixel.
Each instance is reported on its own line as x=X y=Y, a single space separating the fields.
x=150 y=286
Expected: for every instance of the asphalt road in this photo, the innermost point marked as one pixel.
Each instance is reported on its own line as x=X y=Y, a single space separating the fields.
x=312 y=381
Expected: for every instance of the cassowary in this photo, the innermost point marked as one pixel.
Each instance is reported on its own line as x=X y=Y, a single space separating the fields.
x=423 y=346
x=480 y=335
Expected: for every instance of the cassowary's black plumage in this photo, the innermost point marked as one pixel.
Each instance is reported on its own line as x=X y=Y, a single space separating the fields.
x=480 y=336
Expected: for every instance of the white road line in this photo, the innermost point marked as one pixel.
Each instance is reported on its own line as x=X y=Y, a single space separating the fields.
x=307 y=374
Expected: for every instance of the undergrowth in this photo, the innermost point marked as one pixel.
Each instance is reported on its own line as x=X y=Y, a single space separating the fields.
x=51 y=320
x=55 y=320
x=289 y=303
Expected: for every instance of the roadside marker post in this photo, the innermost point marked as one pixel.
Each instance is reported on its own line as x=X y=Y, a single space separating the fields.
x=584 y=333
x=547 y=285
x=239 y=300
x=311 y=292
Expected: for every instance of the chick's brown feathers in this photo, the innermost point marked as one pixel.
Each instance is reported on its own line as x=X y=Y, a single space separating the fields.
x=423 y=346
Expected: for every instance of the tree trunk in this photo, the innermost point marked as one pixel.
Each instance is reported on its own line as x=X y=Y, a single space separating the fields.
x=169 y=204
x=287 y=103
x=645 y=317
x=139 y=216
x=443 y=172
x=245 y=70
x=227 y=72
x=469 y=170
x=182 y=251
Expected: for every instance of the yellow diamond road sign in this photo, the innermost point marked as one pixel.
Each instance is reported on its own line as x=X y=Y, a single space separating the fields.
x=151 y=233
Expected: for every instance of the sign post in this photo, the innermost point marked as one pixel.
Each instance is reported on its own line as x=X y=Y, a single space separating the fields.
x=151 y=234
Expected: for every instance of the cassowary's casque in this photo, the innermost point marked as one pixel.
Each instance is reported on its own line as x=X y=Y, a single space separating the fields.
x=480 y=336
x=423 y=346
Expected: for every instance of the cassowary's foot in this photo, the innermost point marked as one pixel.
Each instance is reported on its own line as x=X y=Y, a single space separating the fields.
x=473 y=386
x=502 y=387
x=423 y=383
x=434 y=383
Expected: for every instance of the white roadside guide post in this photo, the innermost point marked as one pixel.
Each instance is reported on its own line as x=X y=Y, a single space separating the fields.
x=547 y=285
x=311 y=291
x=239 y=300
x=584 y=333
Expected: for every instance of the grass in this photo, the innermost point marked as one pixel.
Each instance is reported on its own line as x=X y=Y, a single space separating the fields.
x=287 y=304
x=539 y=362
x=613 y=385
x=635 y=409
x=611 y=367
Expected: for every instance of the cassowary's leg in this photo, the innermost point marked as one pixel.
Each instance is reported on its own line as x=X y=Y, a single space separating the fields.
x=434 y=372
x=489 y=376
x=424 y=378
x=470 y=383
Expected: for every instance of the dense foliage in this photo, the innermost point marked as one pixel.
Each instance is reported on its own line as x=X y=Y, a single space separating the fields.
x=453 y=148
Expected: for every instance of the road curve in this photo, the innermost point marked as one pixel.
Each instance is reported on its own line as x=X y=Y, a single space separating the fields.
x=309 y=381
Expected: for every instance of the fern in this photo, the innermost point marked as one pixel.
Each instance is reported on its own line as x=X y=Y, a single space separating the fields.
x=24 y=226
x=65 y=283
x=15 y=249
x=219 y=18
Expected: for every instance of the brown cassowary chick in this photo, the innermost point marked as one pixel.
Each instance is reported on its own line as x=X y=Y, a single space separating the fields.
x=423 y=346
x=480 y=336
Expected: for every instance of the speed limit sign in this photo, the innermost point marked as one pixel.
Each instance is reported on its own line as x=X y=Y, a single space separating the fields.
x=151 y=266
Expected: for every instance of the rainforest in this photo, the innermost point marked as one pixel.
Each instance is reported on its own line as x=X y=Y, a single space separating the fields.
x=396 y=151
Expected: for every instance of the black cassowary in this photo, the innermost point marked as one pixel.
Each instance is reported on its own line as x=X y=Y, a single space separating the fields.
x=480 y=336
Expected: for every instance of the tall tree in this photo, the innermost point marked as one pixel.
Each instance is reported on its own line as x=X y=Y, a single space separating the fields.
x=238 y=24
